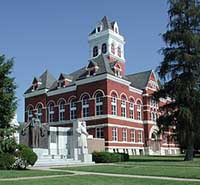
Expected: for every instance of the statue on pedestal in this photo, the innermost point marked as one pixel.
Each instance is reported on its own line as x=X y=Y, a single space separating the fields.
x=35 y=131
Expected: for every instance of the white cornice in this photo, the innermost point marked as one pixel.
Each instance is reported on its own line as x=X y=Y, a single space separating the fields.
x=61 y=90
x=35 y=93
x=133 y=89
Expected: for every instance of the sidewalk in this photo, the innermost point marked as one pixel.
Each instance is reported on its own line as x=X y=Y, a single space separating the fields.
x=95 y=173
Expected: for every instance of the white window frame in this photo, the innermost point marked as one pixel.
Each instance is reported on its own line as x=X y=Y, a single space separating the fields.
x=50 y=113
x=132 y=134
x=85 y=107
x=139 y=112
x=99 y=105
x=72 y=110
x=30 y=114
x=131 y=110
x=140 y=136
x=123 y=108
x=124 y=134
x=114 y=105
x=61 y=111
x=114 y=134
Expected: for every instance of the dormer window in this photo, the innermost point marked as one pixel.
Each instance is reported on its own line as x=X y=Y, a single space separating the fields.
x=35 y=84
x=99 y=28
x=95 y=51
x=91 y=68
x=117 y=71
x=104 y=48
x=63 y=80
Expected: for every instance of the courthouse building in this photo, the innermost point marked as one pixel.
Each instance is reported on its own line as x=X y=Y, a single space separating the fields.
x=116 y=106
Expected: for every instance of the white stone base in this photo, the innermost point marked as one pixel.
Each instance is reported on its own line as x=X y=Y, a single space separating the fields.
x=86 y=158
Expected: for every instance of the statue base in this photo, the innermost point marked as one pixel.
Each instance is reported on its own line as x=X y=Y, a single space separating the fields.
x=86 y=158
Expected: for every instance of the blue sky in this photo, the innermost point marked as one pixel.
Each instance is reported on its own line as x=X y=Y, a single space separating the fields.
x=52 y=34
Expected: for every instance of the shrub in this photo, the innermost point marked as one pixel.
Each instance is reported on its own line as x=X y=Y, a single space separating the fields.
x=106 y=157
x=25 y=156
x=6 y=161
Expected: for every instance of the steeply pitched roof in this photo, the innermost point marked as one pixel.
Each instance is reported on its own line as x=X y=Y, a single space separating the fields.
x=106 y=24
x=139 y=80
x=46 y=80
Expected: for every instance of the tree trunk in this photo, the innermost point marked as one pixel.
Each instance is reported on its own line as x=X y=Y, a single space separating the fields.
x=190 y=146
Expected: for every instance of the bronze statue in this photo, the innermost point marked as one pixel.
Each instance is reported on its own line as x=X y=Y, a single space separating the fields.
x=35 y=131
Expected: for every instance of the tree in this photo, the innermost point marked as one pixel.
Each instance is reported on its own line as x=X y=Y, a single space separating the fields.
x=7 y=93
x=179 y=72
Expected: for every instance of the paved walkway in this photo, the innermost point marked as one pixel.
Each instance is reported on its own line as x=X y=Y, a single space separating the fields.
x=95 y=173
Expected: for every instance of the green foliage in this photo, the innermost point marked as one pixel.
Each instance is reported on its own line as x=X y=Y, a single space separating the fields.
x=7 y=93
x=106 y=157
x=25 y=156
x=7 y=161
x=180 y=73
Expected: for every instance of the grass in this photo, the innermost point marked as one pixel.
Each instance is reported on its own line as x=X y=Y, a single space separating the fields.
x=96 y=180
x=153 y=166
x=28 y=173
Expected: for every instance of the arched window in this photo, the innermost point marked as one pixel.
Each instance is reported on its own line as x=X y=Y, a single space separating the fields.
x=114 y=104
x=123 y=107
x=61 y=111
x=104 y=48
x=99 y=103
x=131 y=109
x=85 y=106
x=113 y=48
x=139 y=110
x=95 y=51
x=50 y=112
x=39 y=112
x=119 y=52
x=73 y=109
x=30 y=114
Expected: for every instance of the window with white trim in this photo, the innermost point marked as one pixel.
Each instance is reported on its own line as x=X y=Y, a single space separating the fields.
x=95 y=51
x=123 y=108
x=99 y=103
x=153 y=116
x=30 y=114
x=114 y=105
x=124 y=134
x=132 y=135
x=73 y=109
x=139 y=114
x=99 y=132
x=139 y=136
x=131 y=110
x=114 y=134
x=62 y=111
x=50 y=112
x=85 y=106
x=113 y=48
x=39 y=112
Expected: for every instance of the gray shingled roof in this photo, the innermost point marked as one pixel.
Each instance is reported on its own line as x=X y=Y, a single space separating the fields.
x=139 y=80
x=106 y=25
x=46 y=80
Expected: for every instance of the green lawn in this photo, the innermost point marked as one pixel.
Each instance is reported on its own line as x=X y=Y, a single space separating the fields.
x=154 y=166
x=27 y=173
x=96 y=180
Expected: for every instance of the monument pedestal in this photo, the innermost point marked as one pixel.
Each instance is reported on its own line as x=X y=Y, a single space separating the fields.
x=86 y=158
x=40 y=152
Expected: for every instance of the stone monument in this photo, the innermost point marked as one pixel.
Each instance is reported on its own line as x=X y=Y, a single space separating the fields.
x=80 y=147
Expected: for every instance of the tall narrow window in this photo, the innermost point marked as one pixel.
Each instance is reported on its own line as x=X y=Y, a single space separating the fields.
x=104 y=48
x=124 y=134
x=113 y=48
x=114 y=134
x=131 y=110
x=139 y=136
x=85 y=106
x=139 y=111
x=99 y=103
x=132 y=135
x=123 y=108
x=39 y=112
x=62 y=111
x=30 y=114
x=119 y=52
x=51 y=112
x=73 y=109
x=95 y=51
x=114 y=105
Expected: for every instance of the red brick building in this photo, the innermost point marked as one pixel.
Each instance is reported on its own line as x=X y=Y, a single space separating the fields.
x=115 y=106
